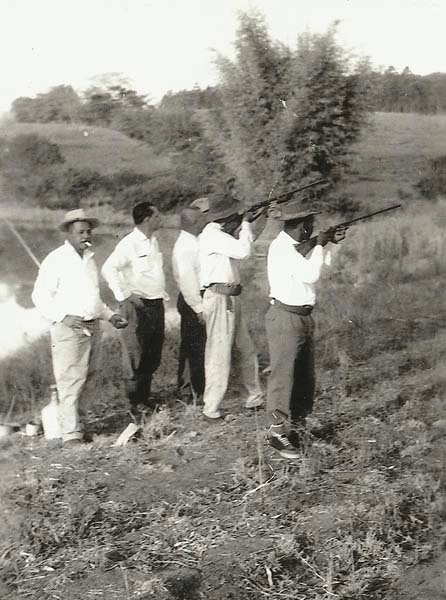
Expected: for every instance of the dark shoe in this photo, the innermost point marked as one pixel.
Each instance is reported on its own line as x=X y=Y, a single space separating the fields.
x=295 y=439
x=282 y=444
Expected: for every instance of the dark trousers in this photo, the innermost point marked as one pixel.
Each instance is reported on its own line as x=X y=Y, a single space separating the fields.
x=291 y=383
x=141 y=346
x=192 y=345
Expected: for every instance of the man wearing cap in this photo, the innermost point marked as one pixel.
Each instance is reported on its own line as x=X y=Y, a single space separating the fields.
x=134 y=272
x=292 y=275
x=67 y=293
x=220 y=254
x=186 y=271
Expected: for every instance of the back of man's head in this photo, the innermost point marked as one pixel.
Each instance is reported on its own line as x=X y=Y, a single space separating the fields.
x=142 y=211
x=192 y=220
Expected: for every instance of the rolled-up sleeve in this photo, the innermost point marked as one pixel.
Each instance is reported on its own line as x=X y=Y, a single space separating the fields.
x=111 y=271
x=227 y=245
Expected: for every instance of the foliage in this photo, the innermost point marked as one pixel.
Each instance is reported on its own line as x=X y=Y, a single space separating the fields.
x=287 y=115
x=433 y=183
x=410 y=93
x=30 y=151
x=60 y=104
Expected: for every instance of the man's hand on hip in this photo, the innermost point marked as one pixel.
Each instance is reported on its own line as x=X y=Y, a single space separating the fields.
x=201 y=318
x=136 y=300
x=118 y=322
x=73 y=321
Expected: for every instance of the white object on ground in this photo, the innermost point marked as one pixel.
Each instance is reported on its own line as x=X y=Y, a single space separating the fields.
x=128 y=433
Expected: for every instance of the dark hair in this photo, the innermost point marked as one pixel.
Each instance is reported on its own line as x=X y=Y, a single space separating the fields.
x=141 y=211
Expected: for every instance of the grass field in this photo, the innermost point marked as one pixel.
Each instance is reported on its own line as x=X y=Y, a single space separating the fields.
x=104 y=150
x=207 y=511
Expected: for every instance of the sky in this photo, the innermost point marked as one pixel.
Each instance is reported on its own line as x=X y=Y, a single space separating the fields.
x=162 y=45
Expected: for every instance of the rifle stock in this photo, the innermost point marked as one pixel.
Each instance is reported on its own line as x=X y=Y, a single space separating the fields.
x=305 y=247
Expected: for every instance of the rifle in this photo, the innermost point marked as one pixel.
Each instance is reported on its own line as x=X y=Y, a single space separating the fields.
x=283 y=197
x=307 y=245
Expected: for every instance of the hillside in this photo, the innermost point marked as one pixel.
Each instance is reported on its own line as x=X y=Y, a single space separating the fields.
x=196 y=510
x=392 y=155
x=98 y=148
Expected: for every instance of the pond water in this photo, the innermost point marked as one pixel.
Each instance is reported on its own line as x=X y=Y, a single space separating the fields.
x=20 y=323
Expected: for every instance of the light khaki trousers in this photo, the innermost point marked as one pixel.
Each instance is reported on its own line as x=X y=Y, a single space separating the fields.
x=75 y=363
x=226 y=329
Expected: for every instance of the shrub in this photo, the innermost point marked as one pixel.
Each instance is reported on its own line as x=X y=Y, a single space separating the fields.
x=32 y=151
x=80 y=183
x=433 y=184
x=166 y=194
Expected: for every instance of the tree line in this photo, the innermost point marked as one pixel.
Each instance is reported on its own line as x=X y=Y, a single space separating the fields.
x=278 y=115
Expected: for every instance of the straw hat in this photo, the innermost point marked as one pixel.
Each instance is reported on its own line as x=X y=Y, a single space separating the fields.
x=77 y=215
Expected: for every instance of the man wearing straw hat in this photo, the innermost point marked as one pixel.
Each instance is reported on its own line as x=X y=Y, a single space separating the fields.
x=66 y=292
x=220 y=254
x=292 y=275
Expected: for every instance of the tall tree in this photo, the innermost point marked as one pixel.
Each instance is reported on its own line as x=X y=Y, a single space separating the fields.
x=288 y=115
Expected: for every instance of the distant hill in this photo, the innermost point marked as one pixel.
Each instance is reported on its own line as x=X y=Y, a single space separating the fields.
x=393 y=155
x=104 y=150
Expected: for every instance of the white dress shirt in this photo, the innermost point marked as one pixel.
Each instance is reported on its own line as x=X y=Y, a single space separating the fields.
x=68 y=284
x=186 y=269
x=292 y=276
x=220 y=252
x=136 y=267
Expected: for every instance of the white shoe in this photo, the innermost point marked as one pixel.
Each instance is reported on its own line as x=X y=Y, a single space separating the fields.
x=254 y=402
x=212 y=414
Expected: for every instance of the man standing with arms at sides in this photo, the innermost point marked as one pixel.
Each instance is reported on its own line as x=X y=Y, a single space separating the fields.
x=220 y=254
x=186 y=271
x=134 y=272
x=290 y=326
x=67 y=293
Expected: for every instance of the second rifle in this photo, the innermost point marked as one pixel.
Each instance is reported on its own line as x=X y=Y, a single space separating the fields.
x=307 y=245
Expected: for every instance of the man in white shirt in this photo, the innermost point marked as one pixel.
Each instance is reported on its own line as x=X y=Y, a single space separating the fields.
x=134 y=272
x=186 y=271
x=66 y=292
x=292 y=275
x=220 y=254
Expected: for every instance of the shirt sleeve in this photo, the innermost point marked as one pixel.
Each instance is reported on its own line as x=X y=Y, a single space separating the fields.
x=227 y=245
x=188 y=278
x=45 y=289
x=309 y=269
x=112 y=272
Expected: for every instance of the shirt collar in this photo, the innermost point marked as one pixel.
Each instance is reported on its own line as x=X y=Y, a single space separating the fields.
x=285 y=237
x=139 y=234
x=86 y=255
x=213 y=225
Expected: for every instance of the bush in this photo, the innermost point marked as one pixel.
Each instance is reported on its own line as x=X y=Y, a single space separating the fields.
x=122 y=180
x=433 y=184
x=166 y=194
x=32 y=151
x=78 y=184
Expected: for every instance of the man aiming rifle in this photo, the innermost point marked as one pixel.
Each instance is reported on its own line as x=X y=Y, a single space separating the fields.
x=292 y=274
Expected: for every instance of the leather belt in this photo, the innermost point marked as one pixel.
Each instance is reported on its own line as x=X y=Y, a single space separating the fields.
x=304 y=310
x=227 y=289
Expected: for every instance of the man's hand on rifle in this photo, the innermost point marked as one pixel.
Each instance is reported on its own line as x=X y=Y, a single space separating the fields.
x=252 y=215
x=338 y=234
x=334 y=235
